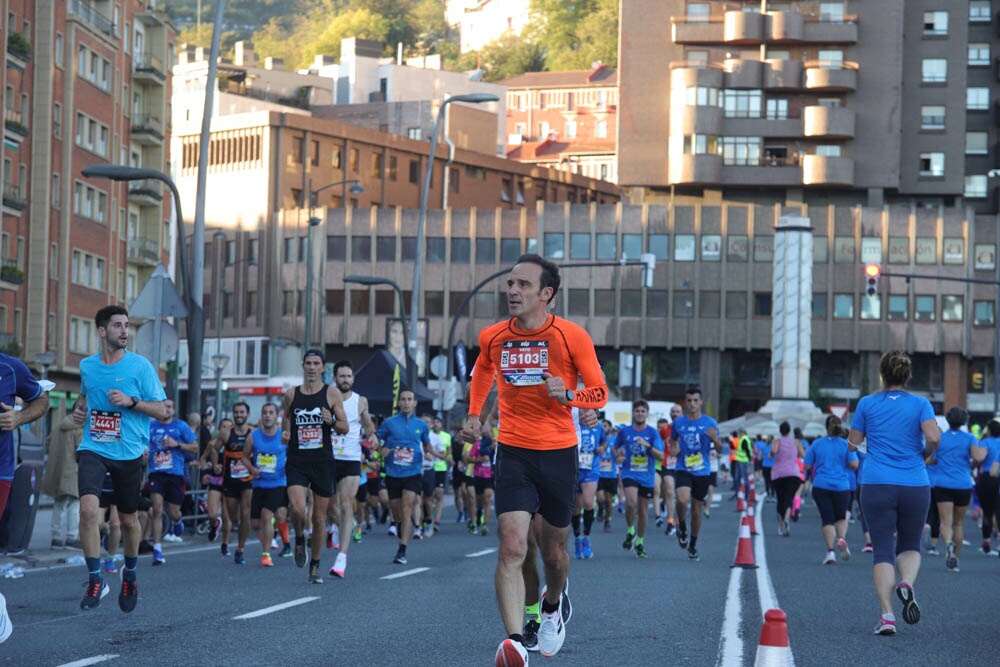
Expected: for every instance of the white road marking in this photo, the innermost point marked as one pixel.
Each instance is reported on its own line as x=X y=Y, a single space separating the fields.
x=405 y=573
x=731 y=643
x=277 y=607
x=765 y=587
x=484 y=552
x=93 y=660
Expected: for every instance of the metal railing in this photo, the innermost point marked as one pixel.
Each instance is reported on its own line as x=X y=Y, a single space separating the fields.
x=143 y=248
x=147 y=62
x=86 y=12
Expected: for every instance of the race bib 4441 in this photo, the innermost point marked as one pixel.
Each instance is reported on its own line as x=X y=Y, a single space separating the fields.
x=105 y=426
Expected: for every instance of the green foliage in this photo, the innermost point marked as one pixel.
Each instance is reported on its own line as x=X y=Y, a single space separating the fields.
x=575 y=33
x=506 y=58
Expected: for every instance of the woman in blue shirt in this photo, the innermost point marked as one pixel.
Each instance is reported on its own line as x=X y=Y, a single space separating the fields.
x=832 y=466
x=900 y=431
x=953 y=481
x=988 y=484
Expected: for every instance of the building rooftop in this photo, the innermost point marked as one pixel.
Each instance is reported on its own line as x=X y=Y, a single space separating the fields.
x=601 y=75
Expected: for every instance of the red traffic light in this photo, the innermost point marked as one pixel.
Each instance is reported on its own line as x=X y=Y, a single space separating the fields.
x=872 y=270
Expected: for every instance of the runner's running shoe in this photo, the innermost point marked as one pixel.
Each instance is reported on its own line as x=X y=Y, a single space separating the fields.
x=564 y=604
x=627 y=544
x=238 y=557
x=578 y=548
x=868 y=548
x=286 y=551
x=224 y=549
x=511 y=654
x=551 y=633
x=530 y=634
x=682 y=537
x=400 y=558
x=911 y=612
x=265 y=561
x=158 y=558
x=314 y=577
x=300 y=555
x=6 y=627
x=587 y=551
x=109 y=566
x=932 y=551
x=830 y=559
x=339 y=566
x=693 y=554
x=640 y=551
x=97 y=590
x=950 y=559
x=213 y=530
x=885 y=626
x=845 y=552
x=129 y=594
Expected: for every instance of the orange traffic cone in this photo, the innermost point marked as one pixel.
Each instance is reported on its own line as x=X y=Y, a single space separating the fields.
x=751 y=518
x=741 y=498
x=752 y=496
x=773 y=649
x=744 y=547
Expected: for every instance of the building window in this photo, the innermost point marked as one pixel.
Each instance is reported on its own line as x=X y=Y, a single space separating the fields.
x=376 y=165
x=762 y=304
x=831 y=12
x=433 y=303
x=976 y=186
x=871 y=307
x=571 y=129
x=742 y=103
x=659 y=245
x=335 y=301
x=632 y=245
x=709 y=304
x=777 y=109
x=898 y=307
x=698 y=12
x=607 y=246
x=932 y=117
x=510 y=250
x=976 y=143
x=742 y=151
x=932 y=164
x=414 y=171
x=982 y=313
x=604 y=302
x=979 y=11
x=935 y=23
x=578 y=302
x=979 y=54
x=819 y=306
x=631 y=303
x=408 y=248
x=701 y=144
x=702 y=96
x=831 y=59
x=385 y=248
x=951 y=308
x=843 y=306
x=393 y=168
x=336 y=248
x=413 y=133
x=460 y=250
x=736 y=305
x=977 y=99
x=829 y=150
x=601 y=129
x=486 y=251
x=579 y=245
x=335 y=157
x=923 y=309
x=934 y=70
x=353 y=159
x=926 y=250
x=737 y=248
x=360 y=302
x=435 y=250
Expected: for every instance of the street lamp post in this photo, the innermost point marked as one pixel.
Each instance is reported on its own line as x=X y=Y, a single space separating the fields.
x=371 y=281
x=471 y=98
x=355 y=189
x=687 y=340
x=219 y=363
x=220 y=300
x=44 y=360
x=192 y=297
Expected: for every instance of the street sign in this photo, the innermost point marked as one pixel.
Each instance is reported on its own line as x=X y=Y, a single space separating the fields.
x=158 y=298
x=839 y=411
x=439 y=366
x=160 y=351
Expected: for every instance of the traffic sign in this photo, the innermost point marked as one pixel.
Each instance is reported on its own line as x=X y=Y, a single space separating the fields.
x=839 y=411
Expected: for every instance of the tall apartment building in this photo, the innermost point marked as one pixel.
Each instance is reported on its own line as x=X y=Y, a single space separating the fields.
x=565 y=120
x=85 y=82
x=845 y=101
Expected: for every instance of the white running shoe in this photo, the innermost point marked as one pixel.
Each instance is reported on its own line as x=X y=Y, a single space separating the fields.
x=6 y=627
x=511 y=654
x=552 y=633
x=845 y=551
x=830 y=558
x=339 y=566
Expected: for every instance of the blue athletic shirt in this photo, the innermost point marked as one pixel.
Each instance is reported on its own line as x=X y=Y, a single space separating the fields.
x=607 y=467
x=639 y=465
x=829 y=457
x=404 y=436
x=164 y=460
x=590 y=440
x=766 y=460
x=269 y=458
x=694 y=444
x=992 y=446
x=953 y=460
x=891 y=423
x=15 y=381
x=117 y=433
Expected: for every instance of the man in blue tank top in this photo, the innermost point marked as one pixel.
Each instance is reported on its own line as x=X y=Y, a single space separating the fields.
x=264 y=455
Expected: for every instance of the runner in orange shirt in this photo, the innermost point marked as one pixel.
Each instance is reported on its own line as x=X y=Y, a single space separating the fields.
x=535 y=358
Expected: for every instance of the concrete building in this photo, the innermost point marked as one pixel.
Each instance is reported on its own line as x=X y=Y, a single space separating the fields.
x=483 y=21
x=565 y=120
x=83 y=83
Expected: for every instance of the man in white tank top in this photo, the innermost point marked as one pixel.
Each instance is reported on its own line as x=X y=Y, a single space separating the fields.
x=347 y=458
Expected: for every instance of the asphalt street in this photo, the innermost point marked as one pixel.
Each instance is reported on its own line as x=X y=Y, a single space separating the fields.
x=202 y=609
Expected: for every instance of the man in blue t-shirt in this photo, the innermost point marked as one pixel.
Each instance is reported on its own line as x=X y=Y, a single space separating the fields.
x=169 y=440
x=405 y=441
x=122 y=392
x=692 y=438
x=638 y=447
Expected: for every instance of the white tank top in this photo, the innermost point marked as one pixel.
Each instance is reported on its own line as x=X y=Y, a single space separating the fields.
x=348 y=447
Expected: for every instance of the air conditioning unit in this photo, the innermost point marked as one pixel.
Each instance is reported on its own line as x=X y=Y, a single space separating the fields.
x=515 y=139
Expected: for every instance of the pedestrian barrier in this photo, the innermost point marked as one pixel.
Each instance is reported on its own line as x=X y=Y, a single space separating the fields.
x=773 y=649
x=744 y=547
x=741 y=504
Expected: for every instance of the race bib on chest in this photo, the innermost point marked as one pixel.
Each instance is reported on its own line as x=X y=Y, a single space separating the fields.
x=586 y=460
x=402 y=456
x=639 y=462
x=523 y=362
x=310 y=437
x=694 y=461
x=671 y=462
x=163 y=460
x=237 y=470
x=605 y=465
x=105 y=426
x=268 y=463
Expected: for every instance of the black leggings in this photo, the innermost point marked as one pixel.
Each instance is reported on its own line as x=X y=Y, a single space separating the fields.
x=766 y=474
x=986 y=489
x=785 y=488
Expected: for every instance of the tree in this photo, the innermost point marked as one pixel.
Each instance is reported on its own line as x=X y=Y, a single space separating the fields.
x=509 y=57
x=575 y=33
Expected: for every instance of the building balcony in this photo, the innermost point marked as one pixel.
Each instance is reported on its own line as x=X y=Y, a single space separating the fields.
x=743 y=27
x=698 y=120
x=686 y=31
x=687 y=169
x=149 y=68
x=741 y=73
x=783 y=74
x=147 y=130
x=14 y=200
x=785 y=27
x=14 y=129
x=686 y=74
x=18 y=51
x=11 y=277
x=828 y=122
x=783 y=128
x=824 y=78
x=83 y=12
x=767 y=172
x=143 y=251
x=827 y=170
x=145 y=193
x=823 y=30
x=152 y=17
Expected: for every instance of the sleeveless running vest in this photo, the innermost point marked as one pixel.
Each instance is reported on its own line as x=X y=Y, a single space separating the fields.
x=347 y=447
x=232 y=457
x=310 y=437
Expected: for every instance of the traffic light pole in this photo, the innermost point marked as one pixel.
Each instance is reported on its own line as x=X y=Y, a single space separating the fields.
x=996 y=330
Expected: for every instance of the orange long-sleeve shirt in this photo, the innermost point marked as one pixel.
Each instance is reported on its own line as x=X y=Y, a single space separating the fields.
x=516 y=358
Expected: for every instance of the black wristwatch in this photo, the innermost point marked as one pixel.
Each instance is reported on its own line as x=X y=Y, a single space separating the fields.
x=570 y=395
x=135 y=402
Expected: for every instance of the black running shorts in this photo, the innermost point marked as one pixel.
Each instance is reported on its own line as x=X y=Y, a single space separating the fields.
x=126 y=479
x=315 y=475
x=534 y=480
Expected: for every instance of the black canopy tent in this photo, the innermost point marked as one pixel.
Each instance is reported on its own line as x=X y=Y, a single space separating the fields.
x=378 y=381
